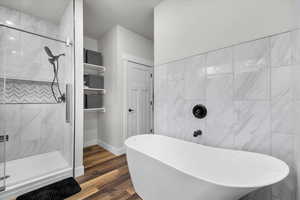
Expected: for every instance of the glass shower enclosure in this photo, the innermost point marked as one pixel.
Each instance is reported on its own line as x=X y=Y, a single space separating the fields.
x=36 y=96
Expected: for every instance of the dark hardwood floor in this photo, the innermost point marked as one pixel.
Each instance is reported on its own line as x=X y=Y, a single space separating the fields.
x=106 y=177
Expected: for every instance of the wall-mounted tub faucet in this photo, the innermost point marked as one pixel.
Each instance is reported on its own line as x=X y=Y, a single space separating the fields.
x=197 y=133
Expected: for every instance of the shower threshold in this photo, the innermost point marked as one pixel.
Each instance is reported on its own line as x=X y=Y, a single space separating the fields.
x=35 y=171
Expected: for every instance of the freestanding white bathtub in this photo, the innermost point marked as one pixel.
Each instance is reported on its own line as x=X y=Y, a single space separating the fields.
x=164 y=168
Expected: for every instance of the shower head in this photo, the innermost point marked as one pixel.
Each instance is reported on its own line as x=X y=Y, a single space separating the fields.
x=53 y=60
x=49 y=52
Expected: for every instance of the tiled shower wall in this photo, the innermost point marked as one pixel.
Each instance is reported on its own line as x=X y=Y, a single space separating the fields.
x=33 y=127
x=252 y=93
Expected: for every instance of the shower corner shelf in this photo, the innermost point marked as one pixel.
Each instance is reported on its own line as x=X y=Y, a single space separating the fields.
x=94 y=67
x=95 y=110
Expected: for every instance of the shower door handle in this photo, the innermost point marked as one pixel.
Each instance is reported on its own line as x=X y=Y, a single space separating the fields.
x=68 y=102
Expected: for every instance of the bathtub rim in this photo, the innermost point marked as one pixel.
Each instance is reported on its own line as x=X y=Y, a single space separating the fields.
x=277 y=180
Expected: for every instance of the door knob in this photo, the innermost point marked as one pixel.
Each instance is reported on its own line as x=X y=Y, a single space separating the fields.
x=130 y=110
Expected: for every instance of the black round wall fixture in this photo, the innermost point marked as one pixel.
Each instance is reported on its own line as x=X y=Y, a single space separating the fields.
x=199 y=111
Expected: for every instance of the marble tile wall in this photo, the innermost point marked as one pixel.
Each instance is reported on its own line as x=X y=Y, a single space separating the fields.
x=33 y=128
x=252 y=93
x=66 y=31
x=23 y=56
x=15 y=18
x=26 y=92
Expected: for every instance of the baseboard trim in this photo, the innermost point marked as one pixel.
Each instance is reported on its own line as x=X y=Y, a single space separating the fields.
x=79 y=171
x=116 y=151
x=90 y=143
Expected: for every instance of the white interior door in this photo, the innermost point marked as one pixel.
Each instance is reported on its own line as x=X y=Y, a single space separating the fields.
x=139 y=99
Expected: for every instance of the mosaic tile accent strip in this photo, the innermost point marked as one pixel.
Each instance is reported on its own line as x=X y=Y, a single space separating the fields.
x=26 y=92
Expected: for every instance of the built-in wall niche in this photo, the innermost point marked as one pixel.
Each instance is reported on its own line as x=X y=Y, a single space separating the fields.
x=17 y=91
x=93 y=81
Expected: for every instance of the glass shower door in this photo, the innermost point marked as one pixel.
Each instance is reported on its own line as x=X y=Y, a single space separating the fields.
x=3 y=177
x=40 y=139
x=36 y=99
x=2 y=122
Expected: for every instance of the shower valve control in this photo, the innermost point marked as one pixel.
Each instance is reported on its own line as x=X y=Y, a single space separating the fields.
x=199 y=111
x=197 y=133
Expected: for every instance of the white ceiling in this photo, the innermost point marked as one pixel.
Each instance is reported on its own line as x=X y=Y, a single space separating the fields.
x=102 y=15
x=99 y=15
x=47 y=9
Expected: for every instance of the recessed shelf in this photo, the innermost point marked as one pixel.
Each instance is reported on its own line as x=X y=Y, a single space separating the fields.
x=20 y=91
x=94 y=110
x=94 y=67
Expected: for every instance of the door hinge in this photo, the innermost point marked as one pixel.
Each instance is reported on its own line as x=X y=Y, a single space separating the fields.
x=151 y=103
x=151 y=75
x=151 y=130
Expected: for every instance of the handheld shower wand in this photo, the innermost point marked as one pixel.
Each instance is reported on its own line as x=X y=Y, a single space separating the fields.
x=54 y=62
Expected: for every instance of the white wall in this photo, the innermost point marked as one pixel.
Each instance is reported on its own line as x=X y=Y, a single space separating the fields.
x=79 y=170
x=296 y=14
x=184 y=28
x=135 y=44
x=108 y=132
x=90 y=118
x=129 y=43
x=115 y=44
x=90 y=43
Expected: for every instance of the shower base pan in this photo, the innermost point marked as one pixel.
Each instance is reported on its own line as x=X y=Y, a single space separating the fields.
x=33 y=172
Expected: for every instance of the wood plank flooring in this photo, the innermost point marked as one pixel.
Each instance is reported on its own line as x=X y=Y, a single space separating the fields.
x=106 y=177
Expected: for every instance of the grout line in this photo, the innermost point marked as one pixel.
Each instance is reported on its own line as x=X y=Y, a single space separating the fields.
x=270 y=93
x=230 y=46
x=234 y=99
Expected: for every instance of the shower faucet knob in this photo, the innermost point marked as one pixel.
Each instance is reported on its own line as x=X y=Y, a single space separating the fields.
x=199 y=111
x=197 y=133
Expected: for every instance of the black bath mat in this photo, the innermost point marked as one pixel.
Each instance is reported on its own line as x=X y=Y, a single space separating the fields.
x=56 y=191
